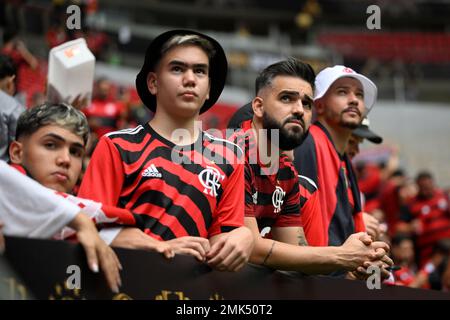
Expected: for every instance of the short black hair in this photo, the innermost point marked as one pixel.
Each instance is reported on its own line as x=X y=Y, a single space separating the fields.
x=424 y=175
x=399 y=238
x=289 y=67
x=9 y=34
x=7 y=67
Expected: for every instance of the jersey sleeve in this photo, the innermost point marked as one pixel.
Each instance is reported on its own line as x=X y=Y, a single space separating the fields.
x=101 y=214
x=104 y=176
x=305 y=161
x=311 y=213
x=230 y=210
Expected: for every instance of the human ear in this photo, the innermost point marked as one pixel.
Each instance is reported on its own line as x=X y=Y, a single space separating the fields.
x=258 y=107
x=16 y=152
x=319 y=107
x=152 y=83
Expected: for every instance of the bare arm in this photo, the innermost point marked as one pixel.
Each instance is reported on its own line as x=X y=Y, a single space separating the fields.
x=310 y=260
x=27 y=55
x=291 y=235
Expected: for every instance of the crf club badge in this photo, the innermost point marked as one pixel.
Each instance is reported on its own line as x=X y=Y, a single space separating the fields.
x=209 y=178
x=278 y=199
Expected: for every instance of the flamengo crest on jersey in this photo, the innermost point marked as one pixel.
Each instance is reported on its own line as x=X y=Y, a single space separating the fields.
x=278 y=199
x=209 y=178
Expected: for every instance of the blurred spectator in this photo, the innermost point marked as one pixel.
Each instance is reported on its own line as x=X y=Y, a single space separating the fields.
x=38 y=98
x=97 y=41
x=358 y=135
x=17 y=50
x=395 y=192
x=105 y=114
x=445 y=282
x=10 y=108
x=403 y=256
x=56 y=35
x=428 y=215
x=432 y=273
x=7 y=75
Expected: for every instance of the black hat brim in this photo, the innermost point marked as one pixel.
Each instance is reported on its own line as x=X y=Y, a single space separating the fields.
x=365 y=133
x=218 y=68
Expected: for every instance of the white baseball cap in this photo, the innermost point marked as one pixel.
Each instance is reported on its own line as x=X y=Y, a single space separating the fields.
x=329 y=75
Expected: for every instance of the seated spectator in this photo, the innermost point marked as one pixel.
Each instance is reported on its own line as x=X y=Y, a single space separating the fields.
x=105 y=114
x=27 y=209
x=188 y=186
x=7 y=75
x=49 y=147
x=432 y=274
x=10 y=108
x=357 y=137
x=17 y=50
x=403 y=256
x=428 y=215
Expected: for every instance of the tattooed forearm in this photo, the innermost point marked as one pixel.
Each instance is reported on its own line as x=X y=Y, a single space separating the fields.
x=301 y=238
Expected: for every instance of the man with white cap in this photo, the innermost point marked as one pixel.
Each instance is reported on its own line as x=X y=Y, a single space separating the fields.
x=342 y=99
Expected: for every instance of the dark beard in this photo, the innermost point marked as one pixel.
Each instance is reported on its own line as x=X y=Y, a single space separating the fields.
x=288 y=140
x=349 y=125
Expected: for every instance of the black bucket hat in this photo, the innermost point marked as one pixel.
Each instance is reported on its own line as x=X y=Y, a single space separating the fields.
x=218 y=67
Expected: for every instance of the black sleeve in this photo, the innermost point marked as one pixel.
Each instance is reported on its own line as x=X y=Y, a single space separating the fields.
x=305 y=160
x=242 y=114
x=405 y=214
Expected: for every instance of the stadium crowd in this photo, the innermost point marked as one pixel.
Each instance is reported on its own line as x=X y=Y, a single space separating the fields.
x=318 y=212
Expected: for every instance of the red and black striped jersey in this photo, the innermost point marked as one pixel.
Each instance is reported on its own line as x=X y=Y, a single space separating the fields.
x=404 y=277
x=337 y=195
x=434 y=217
x=173 y=191
x=273 y=198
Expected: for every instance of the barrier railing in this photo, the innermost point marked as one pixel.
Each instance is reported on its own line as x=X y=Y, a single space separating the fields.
x=48 y=269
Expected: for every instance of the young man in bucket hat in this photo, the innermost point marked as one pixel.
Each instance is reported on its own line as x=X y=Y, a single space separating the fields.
x=183 y=185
